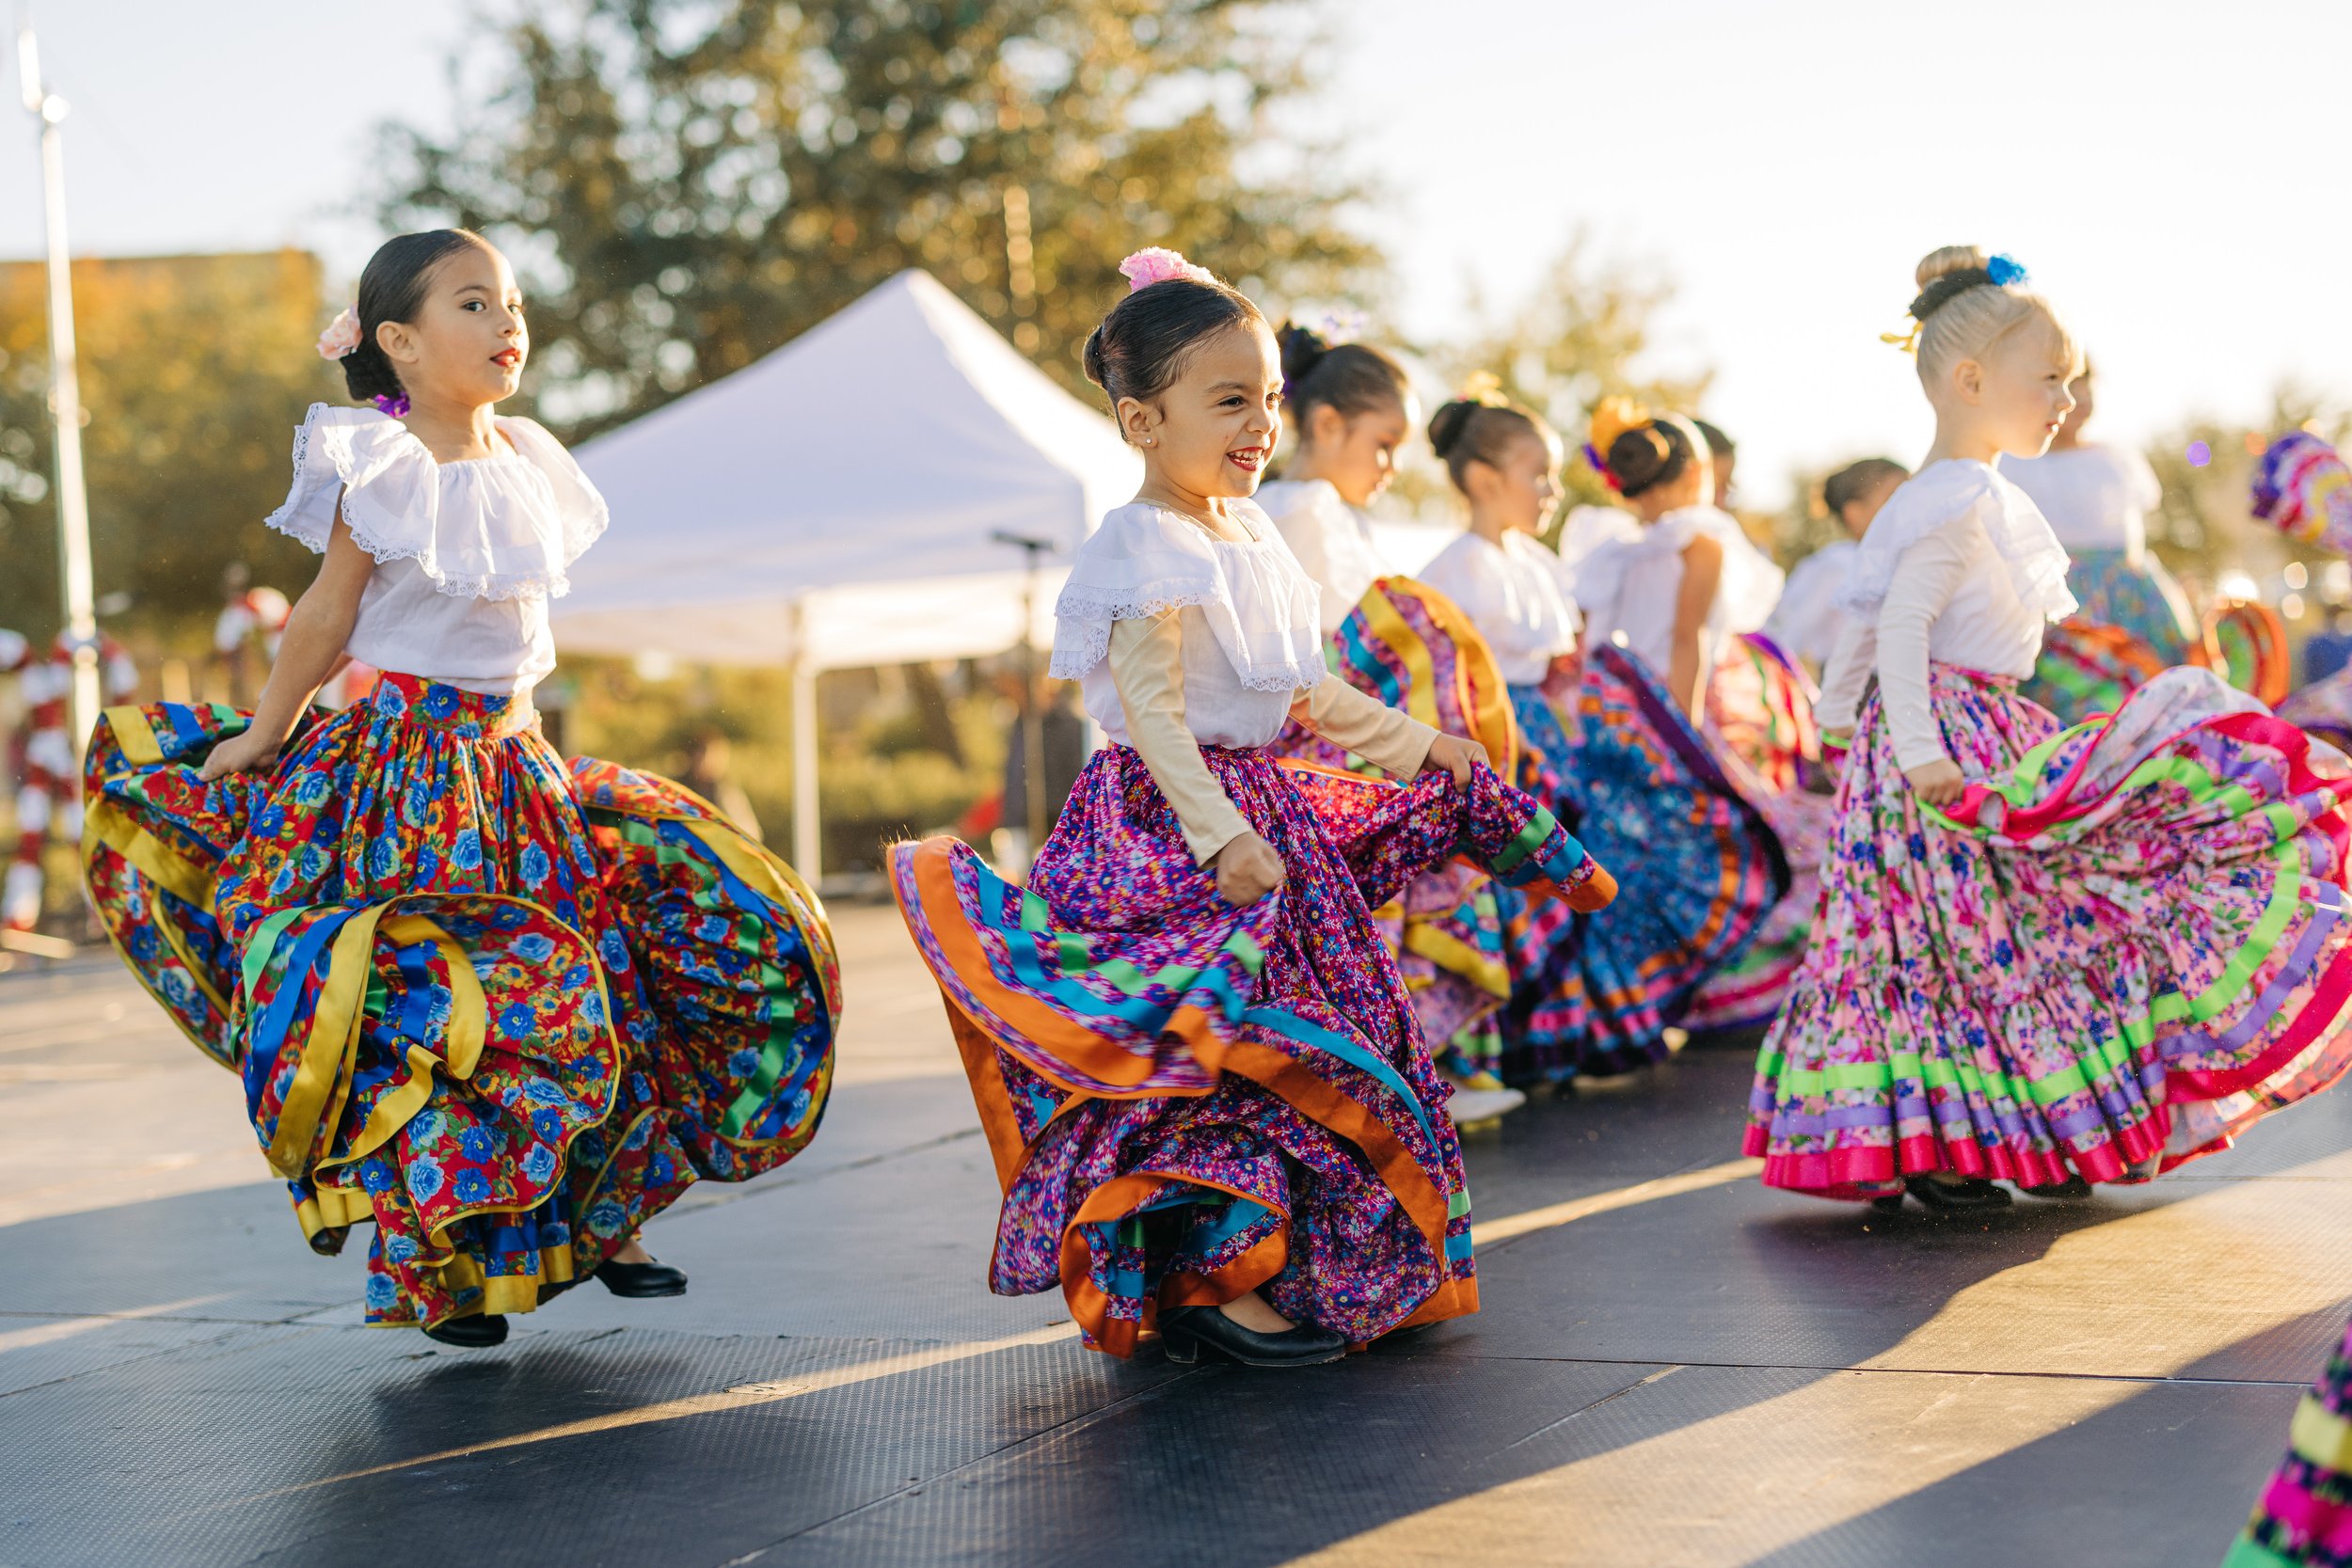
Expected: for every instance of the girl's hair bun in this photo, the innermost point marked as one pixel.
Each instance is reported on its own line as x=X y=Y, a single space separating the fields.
x=1303 y=349
x=1967 y=301
x=1479 y=427
x=1173 y=306
x=1447 y=425
x=1948 y=259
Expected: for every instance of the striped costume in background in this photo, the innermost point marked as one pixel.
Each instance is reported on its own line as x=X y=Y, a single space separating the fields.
x=1409 y=646
x=1759 y=720
x=2304 y=1517
x=1699 y=867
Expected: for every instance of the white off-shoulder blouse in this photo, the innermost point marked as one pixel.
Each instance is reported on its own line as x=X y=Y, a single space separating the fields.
x=468 y=553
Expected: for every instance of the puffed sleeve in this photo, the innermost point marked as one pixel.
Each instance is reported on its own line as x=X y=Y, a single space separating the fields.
x=1147 y=660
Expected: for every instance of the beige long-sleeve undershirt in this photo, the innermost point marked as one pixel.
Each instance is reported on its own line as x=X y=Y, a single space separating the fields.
x=1147 y=666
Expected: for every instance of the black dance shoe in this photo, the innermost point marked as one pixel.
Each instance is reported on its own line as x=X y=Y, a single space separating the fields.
x=2073 y=1189
x=1975 y=1195
x=479 y=1332
x=1186 y=1331
x=642 y=1281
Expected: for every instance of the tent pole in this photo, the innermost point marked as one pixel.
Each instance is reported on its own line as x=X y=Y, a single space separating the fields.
x=807 y=844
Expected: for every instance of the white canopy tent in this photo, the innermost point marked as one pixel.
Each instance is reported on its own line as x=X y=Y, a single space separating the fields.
x=846 y=502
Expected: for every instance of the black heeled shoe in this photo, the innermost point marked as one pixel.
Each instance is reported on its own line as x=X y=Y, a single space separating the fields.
x=1186 y=1331
x=2074 y=1189
x=642 y=1281
x=1975 y=1195
x=479 y=1332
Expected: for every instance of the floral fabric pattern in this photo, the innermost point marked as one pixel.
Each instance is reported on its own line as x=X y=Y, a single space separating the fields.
x=504 y=1010
x=1188 y=1101
x=2126 y=942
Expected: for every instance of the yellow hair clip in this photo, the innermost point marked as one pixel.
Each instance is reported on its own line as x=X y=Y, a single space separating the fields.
x=1612 y=417
x=1484 y=388
x=1907 y=341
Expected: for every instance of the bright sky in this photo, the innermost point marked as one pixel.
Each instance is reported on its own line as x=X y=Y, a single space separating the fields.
x=2167 y=169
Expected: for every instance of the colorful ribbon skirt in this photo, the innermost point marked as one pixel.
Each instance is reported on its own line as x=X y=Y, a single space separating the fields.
x=1699 y=867
x=2126 y=942
x=1188 y=1101
x=504 y=1010
x=2304 y=1517
x=1407 y=645
x=1759 y=721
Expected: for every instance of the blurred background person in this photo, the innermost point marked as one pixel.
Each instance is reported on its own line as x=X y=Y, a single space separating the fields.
x=1806 y=621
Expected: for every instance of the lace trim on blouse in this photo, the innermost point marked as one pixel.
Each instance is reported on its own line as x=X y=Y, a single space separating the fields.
x=1145 y=560
x=496 y=528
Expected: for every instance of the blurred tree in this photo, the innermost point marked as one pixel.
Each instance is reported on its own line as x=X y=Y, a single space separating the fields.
x=194 y=372
x=686 y=184
x=1582 y=335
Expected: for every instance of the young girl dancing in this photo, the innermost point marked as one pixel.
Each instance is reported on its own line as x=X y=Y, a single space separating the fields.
x=1602 y=740
x=505 y=1011
x=1211 y=1108
x=1687 y=596
x=1352 y=406
x=2051 y=960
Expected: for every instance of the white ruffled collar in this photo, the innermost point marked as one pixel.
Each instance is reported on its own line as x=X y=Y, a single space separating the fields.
x=1943 y=493
x=1264 y=610
x=503 y=527
x=1745 y=594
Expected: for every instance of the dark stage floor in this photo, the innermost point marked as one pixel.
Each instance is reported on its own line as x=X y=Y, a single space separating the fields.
x=1673 y=1366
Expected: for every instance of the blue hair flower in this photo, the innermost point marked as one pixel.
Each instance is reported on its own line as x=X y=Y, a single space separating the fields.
x=2004 y=270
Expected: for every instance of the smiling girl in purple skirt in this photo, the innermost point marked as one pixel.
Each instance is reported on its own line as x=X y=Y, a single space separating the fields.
x=1212 y=1109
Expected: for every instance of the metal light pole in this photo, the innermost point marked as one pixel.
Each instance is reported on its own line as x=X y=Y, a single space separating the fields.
x=64 y=394
x=1032 y=717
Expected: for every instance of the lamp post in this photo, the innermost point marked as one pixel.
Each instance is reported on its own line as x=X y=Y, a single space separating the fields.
x=64 y=394
x=1032 y=720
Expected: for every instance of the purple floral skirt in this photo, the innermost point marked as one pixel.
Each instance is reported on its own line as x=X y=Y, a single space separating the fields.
x=1188 y=1102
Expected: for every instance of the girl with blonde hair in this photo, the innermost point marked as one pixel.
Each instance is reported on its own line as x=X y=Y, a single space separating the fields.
x=2048 y=959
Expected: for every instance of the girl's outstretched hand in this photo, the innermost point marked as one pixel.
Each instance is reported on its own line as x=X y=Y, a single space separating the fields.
x=239 y=753
x=1936 y=784
x=1246 y=870
x=1455 y=755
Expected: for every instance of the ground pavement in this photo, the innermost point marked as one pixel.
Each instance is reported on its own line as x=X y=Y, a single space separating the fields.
x=1673 y=1366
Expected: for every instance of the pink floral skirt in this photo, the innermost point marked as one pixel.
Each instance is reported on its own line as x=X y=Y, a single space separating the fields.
x=2127 y=942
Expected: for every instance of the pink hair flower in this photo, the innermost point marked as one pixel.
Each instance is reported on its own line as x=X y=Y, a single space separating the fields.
x=1160 y=265
x=341 y=335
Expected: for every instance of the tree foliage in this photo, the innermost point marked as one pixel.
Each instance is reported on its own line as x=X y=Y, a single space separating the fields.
x=688 y=185
x=1584 y=333
x=195 y=371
